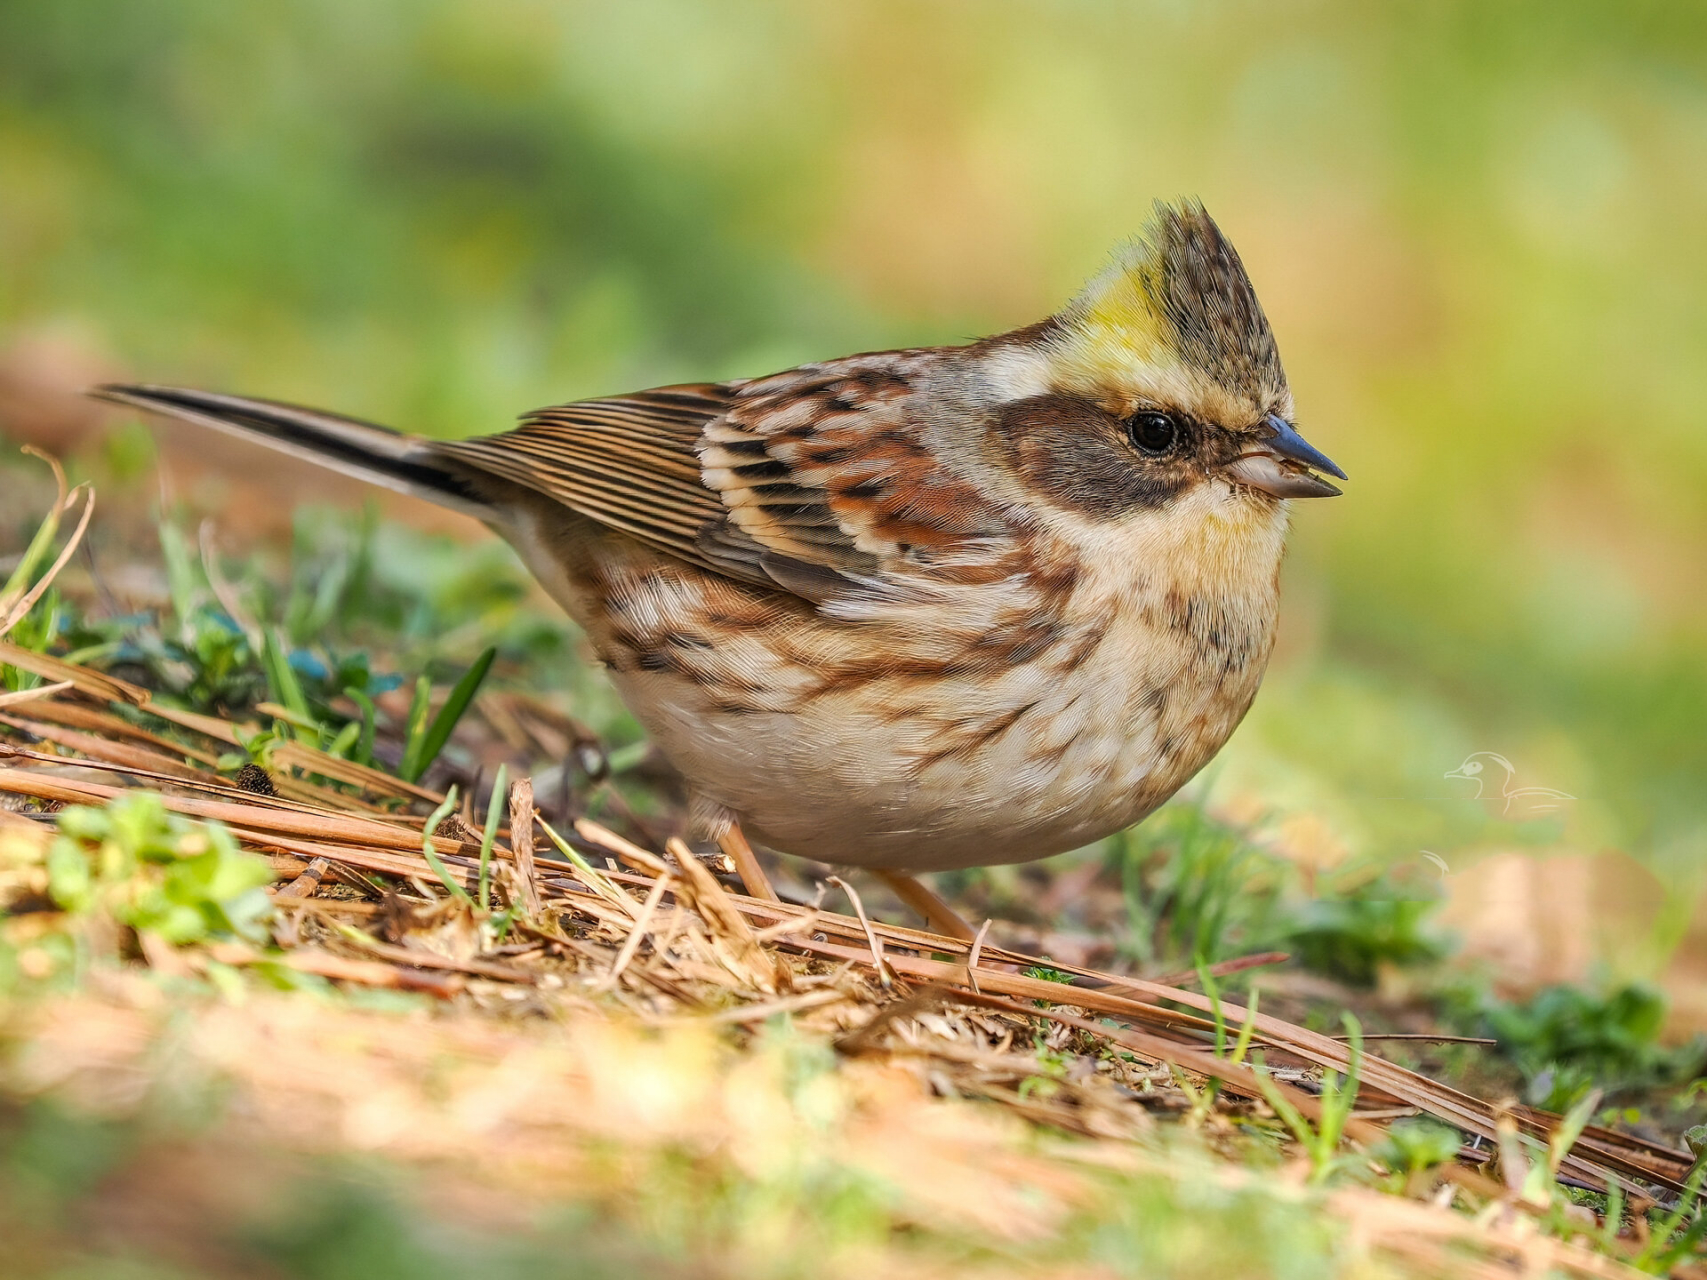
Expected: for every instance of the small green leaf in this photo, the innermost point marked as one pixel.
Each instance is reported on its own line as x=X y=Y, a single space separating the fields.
x=1417 y=1143
x=1046 y=973
x=69 y=881
x=158 y=873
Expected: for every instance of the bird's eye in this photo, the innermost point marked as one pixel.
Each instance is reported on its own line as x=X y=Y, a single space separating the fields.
x=1153 y=433
x=1475 y=766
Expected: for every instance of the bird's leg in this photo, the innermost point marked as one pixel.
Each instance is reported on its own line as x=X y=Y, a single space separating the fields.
x=708 y=819
x=734 y=843
x=921 y=898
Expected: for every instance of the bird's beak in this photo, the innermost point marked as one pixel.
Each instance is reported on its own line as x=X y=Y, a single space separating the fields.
x=1281 y=464
x=1456 y=773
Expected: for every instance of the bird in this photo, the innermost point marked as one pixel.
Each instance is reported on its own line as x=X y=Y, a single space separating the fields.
x=1530 y=802
x=918 y=609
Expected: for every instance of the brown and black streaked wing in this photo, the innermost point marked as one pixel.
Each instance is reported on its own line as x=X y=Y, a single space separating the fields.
x=627 y=462
x=816 y=481
x=829 y=485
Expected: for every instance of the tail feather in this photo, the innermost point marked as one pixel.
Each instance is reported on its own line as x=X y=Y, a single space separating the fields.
x=372 y=453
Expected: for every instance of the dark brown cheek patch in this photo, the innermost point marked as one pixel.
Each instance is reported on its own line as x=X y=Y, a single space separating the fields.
x=1076 y=456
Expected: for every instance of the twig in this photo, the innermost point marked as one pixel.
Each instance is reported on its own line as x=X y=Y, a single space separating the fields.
x=94 y=683
x=732 y=936
x=369 y=973
x=31 y=695
x=1238 y=964
x=770 y=1008
x=595 y=878
x=977 y=949
x=884 y=972
x=783 y=928
x=627 y=850
x=22 y=608
x=521 y=842
x=1424 y=1037
x=432 y=960
x=631 y=944
x=287 y=819
x=305 y=884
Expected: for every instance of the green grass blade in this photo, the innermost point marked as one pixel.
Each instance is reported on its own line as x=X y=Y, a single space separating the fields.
x=415 y=731
x=1185 y=1086
x=364 y=745
x=35 y=555
x=328 y=595
x=1665 y=1247
x=1570 y=1129
x=592 y=875
x=1247 y=1028
x=287 y=689
x=1289 y=1114
x=181 y=582
x=1339 y=1100
x=432 y=855
x=1614 y=1219
x=345 y=739
x=1206 y=980
x=438 y=733
x=494 y=810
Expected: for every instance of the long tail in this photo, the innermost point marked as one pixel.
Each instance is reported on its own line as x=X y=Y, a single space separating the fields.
x=376 y=454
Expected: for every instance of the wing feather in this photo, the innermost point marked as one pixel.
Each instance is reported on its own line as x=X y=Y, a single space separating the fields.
x=815 y=481
x=627 y=462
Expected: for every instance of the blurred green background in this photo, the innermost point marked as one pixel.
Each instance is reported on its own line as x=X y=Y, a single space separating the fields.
x=1478 y=230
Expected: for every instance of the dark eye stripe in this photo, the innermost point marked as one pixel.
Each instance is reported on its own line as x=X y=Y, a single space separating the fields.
x=1080 y=457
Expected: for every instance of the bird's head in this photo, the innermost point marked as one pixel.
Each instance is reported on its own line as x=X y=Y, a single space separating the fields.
x=1160 y=384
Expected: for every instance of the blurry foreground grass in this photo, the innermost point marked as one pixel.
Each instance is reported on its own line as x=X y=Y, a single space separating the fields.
x=367 y=1070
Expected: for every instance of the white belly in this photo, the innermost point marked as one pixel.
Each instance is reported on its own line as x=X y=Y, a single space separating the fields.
x=993 y=768
x=910 y=741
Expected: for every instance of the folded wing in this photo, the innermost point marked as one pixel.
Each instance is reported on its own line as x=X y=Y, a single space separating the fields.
x=816 y=481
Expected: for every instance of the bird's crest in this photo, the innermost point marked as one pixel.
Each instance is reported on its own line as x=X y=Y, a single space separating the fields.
x=1180 y=291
